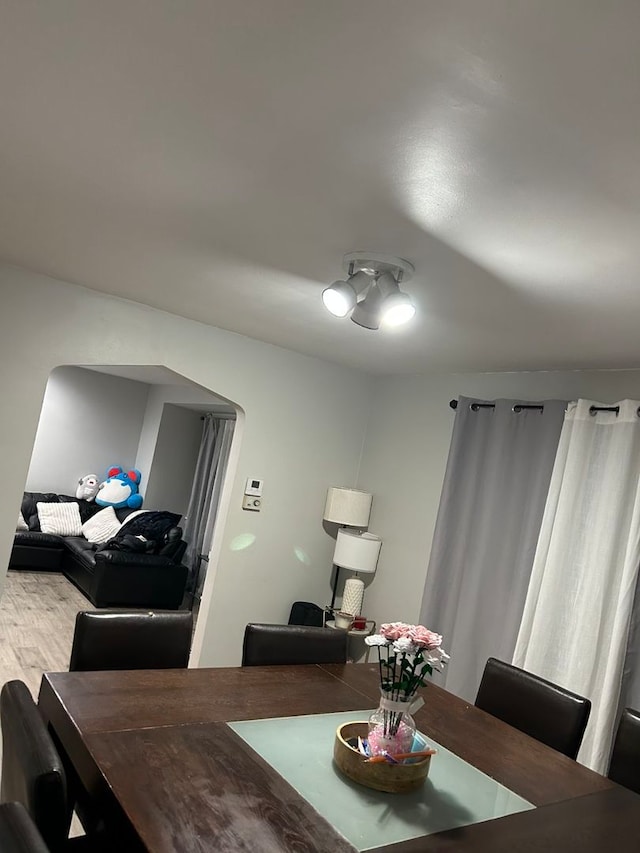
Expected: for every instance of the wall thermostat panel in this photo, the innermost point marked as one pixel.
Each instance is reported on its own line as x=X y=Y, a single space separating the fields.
x=253 y=487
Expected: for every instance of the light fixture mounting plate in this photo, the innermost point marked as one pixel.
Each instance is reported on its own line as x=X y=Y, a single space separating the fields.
x=376 y=264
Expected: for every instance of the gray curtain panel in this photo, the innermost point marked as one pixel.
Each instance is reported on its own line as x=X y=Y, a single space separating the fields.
x=205 y=495
x=491 y=507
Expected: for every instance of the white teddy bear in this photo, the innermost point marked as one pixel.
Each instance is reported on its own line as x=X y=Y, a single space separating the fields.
x=88 y=487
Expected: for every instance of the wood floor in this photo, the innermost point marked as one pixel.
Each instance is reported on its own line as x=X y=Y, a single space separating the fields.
x=37 y=617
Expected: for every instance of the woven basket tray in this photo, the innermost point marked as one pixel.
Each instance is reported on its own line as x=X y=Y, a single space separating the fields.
x=392 y=778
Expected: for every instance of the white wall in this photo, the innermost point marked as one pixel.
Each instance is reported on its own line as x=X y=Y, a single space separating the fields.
x=174 y=460
x=299 y=415
x=190 y=395
x=89 y=422
x=406 y=454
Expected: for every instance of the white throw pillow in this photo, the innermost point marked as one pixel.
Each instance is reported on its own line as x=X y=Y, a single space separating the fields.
x=62 y=519
x=22 y=524
x=102 y=526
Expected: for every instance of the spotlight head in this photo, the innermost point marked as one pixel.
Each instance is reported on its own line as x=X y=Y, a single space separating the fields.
x=339 y=298
x=397 y=309
x=367 y=311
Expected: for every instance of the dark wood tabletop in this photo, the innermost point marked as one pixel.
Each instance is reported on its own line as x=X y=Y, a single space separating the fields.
x=154 y=745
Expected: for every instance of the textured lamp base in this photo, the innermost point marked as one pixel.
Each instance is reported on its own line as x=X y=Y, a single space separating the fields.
x=353 y=597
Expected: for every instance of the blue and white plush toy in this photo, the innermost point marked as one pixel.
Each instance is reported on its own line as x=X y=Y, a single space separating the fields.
x=120 y=489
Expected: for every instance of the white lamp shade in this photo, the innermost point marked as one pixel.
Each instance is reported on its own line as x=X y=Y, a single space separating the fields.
x=348 y=506
x=357 y=551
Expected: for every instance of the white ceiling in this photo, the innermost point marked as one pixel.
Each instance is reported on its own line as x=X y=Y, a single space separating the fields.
x=147 y=374
x=158 y=375
x=216 y=158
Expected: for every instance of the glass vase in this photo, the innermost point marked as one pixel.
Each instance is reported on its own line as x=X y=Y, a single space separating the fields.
x=391 y=726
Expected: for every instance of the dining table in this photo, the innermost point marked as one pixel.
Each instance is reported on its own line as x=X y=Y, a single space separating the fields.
x=206 y=760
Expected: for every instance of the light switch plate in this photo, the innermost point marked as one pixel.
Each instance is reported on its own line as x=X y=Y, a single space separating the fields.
x=251 y=503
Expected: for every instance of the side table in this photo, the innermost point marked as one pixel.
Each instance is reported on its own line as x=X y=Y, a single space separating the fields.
x=355 y=632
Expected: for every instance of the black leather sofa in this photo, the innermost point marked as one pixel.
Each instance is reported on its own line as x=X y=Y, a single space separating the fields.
x=107 y=576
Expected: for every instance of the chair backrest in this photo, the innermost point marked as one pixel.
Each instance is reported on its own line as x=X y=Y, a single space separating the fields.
x=32 y=771
x=18 y=832
x=545 y=711
x=267 y=645
x=625 y=759
x=138 y=639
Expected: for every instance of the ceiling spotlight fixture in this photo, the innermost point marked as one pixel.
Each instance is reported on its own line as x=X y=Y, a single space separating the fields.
x=371 y=291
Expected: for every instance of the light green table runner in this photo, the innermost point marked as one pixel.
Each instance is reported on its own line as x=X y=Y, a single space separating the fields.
x=455 y=794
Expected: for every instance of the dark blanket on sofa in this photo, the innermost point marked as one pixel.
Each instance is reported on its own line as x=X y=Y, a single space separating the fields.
x=152 y=525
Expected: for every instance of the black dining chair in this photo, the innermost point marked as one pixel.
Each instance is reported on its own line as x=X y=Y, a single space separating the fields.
x=625 y=758
x=18 y=832
x=539 y=708
x=270 y=645
x=33 y=772
x=125 y=639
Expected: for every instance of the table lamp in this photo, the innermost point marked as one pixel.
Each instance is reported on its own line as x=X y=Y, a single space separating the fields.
x=357 y=552
x=349 y=508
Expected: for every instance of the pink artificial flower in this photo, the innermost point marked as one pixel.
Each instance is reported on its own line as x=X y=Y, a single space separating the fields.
x=394 y=630
x=424 y=638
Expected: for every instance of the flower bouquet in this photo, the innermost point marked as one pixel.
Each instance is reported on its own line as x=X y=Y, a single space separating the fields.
x=407 y=654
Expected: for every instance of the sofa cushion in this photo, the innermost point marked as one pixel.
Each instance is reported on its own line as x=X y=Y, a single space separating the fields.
x=129 y=558
x=61 y=518
x=29 y=507
x=102 y=526
x=38 y=539
x=22 y=524
x=30 y=500
x=78 y=544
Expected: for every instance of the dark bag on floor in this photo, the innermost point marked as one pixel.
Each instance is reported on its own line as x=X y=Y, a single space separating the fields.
x=306 y=613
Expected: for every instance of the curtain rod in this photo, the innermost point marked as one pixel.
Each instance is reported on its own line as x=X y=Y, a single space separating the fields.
x=517 y=408
x=231 y=416
x=520 y=406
